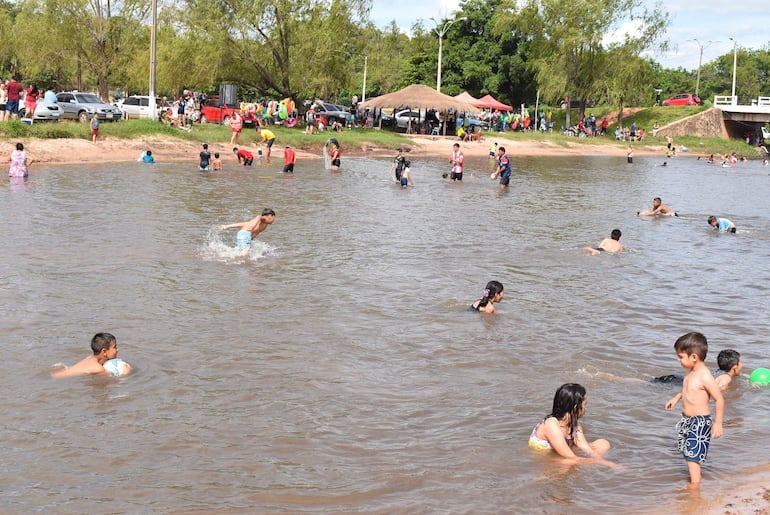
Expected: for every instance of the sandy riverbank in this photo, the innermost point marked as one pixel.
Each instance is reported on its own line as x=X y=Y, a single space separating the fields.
x=110 y=150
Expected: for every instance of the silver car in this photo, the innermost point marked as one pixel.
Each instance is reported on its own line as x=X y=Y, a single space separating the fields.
x=44 y=112
x=82 y=106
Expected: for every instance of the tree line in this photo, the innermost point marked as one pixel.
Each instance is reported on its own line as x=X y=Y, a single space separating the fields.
x=518 y=51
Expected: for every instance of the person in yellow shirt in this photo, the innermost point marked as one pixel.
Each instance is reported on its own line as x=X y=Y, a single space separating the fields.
x=268 y=138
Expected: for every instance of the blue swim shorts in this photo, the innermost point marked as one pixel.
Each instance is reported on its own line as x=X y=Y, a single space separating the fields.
x=243 y=239
x=694 y=437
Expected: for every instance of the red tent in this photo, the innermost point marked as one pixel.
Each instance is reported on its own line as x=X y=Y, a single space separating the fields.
x=489 y=102
x=469 y=99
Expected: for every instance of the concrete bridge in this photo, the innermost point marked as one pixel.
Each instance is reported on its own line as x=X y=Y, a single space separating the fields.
x=741 y=114
x=731 y=117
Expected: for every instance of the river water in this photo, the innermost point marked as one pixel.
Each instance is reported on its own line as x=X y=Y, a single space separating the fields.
x=337 y=368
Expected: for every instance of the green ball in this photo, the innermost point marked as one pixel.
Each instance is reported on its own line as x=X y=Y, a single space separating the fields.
x=760 y=376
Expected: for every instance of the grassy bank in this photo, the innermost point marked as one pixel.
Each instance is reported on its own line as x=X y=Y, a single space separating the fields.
x=359 y=139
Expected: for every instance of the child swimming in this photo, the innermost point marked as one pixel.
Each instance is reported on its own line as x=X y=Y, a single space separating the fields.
x=492 y=293
x=560 y=430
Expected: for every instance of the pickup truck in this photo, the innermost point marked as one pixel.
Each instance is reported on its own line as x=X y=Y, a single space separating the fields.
x=214 y=111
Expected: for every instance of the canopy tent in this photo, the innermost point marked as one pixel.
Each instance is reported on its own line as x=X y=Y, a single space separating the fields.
x=469 y=99
x=491 y=102
x=420 y=97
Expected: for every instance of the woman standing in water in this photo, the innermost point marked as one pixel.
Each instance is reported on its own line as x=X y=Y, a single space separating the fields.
x=20 y=162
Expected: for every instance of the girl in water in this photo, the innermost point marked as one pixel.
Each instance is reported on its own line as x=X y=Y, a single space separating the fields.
x=334 y=157
x=561 y=432
x=19 y=162
x=492 y=293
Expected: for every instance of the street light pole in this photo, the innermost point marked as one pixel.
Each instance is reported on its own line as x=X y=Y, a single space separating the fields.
x=440 y=34
x=363 y=89
x=700 y=62
x=735 y=66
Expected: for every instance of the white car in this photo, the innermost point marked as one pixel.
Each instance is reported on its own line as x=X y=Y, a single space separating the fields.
x=403 y=117
x=44 y=112
x=137 y=106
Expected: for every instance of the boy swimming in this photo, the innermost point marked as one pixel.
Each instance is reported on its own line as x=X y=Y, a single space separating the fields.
x=247 y=231
x=104 y=347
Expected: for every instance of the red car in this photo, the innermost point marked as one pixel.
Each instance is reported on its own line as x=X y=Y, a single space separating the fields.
x=213 y=111
x=685 y=99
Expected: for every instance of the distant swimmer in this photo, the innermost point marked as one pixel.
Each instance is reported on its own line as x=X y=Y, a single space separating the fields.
x=611 y=244
x=247 y=231
x=657 y=209
x=721 y=224
x=492 y=293
x=105 y=348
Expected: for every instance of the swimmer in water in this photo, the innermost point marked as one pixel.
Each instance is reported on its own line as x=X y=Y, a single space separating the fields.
x=657 y=209
x=611 y=244
x=104 y=347
x=492 y=293
x=561 y=431
x=247 y=231
x=721 y=224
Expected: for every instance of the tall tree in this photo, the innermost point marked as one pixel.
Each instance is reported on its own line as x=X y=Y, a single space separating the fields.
x=570 y=54
x=284 y=47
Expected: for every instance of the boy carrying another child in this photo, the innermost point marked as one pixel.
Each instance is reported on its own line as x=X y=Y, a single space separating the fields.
x=696 y=428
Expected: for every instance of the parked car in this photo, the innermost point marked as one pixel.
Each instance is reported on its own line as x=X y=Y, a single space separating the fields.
x=574 y=103
x=685 y=99
x=404 y=116
x=214 y=111
x=138 y=106
x=82 y=106
x=44 y=112
x=331 y=112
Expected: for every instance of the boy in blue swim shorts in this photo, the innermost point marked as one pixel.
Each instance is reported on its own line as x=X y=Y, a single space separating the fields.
x=247 y=231
x=696 y=427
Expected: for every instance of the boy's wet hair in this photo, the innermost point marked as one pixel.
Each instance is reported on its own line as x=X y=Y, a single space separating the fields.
x=692 y=343
x=615 y=234
x=268 y=212
x=101 y=341
x=727 y=359
x=205 y=146
x=216 y=154
x=712 y=219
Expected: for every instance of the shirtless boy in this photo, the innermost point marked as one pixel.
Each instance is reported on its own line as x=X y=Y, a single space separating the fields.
x=611 y=244
x=657 y=209
x=695 y=427
x=104 y=347
x=247 y=231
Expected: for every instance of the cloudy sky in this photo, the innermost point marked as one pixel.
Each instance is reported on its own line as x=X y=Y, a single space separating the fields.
x=708 y=20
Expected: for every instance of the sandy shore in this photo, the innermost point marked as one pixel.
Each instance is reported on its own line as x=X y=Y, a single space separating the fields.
x=111 y=150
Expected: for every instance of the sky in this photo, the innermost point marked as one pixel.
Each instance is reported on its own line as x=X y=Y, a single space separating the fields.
x=711 y=22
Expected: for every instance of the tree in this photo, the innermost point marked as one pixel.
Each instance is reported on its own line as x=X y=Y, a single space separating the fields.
x=283 y=47
x=569 y=52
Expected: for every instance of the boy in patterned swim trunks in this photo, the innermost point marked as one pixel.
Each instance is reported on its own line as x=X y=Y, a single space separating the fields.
x=696 y=428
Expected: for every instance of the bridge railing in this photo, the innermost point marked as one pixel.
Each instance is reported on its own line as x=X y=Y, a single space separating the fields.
x=728 y=100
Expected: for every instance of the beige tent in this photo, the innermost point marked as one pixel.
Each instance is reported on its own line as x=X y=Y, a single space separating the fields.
x=420 y=97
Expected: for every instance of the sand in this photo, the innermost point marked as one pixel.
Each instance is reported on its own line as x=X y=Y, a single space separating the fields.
x=112 y=150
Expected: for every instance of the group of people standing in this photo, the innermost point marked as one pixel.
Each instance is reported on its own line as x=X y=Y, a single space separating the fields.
x=14 y=97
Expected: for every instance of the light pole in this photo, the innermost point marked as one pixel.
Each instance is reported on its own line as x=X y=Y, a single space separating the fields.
x=440 y=34
x=700 y=61
x=735 y=66
x=363 y=88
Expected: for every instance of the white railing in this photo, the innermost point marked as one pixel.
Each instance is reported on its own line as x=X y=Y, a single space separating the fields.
x=741 y=104
x=725 y=100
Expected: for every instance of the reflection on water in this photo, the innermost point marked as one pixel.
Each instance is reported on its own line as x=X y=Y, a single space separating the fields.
x=337 y=368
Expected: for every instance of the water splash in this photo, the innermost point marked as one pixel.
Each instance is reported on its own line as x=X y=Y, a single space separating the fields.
x=216 y=249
